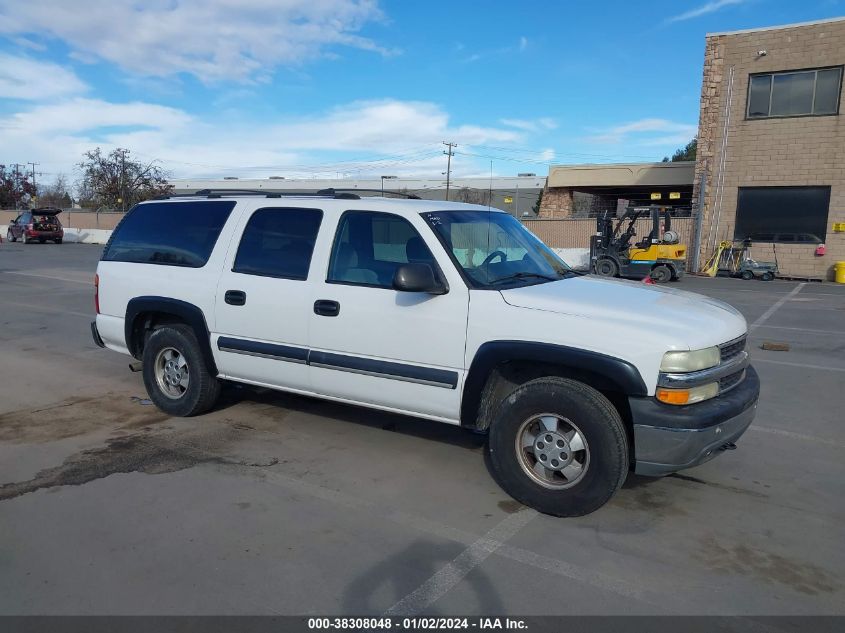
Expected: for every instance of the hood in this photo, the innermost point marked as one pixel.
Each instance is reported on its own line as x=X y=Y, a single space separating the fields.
x=693 y=321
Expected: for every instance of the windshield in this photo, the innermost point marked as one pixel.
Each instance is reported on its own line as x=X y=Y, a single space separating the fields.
x=494 y=250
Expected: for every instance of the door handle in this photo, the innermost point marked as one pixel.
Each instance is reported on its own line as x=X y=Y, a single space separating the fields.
x=326 y=307
x=235 y=297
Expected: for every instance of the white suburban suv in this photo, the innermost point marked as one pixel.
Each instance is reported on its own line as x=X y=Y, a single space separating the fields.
x=445 y=311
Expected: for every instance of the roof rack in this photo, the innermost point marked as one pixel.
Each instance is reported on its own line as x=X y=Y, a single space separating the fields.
x=219 y=193
x=332 y=191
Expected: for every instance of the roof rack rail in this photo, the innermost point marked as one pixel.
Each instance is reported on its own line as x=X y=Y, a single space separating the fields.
x=332 y=192
x=219 y=193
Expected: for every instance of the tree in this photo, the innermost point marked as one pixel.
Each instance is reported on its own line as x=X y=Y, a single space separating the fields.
x=15 y=188
x=687 y=152
x=473 y=196
x=538 y=204
x=115 y=182
x=56 y=195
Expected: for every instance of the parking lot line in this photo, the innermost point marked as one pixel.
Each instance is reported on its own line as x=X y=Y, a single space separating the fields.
x=442 y=581
x=768 y=313
x=757 y=359
x=797 y=436
x=803 y=329
x=72 y=281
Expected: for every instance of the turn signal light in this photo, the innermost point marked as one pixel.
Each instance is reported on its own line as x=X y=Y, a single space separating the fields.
x=687 y=396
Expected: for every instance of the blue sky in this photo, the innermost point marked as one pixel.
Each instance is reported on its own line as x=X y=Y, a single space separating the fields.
x=358 y=87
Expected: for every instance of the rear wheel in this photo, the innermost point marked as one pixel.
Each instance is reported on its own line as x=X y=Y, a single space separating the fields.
x=58 y=241
x=607 y=268
x=747 y=275
x=661 y=274
x=558 y=446
x=767 y=276
x=24 y=238
x=41 y=240
x=175 y=374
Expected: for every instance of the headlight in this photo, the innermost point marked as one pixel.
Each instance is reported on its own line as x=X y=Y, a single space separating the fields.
x=684 y=362
x=687 y=396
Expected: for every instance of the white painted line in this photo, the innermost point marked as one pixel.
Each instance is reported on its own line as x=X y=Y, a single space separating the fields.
x=446 y=578
x=757 y=359
x=768 y=313
x=803 y=329
x=797 y=436
x=72 y=281
x=90 y=316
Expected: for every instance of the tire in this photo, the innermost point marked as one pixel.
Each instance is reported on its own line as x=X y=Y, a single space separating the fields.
x=574 y=406
x=767 y=276
x=41 y=240
x=58 y=241
x=661 y=274
x=10 y=237
x=23 y=238
x=606 y=268
x=747 y=275
x=171 y=344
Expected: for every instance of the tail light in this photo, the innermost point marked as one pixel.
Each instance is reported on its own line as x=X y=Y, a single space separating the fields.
x=30 y=227
x=97 y=293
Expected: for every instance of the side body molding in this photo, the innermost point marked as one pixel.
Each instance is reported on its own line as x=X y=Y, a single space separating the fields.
x=602 y=370
x=188 y=312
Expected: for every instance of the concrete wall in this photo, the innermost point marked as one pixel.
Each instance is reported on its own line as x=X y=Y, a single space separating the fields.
x=770 y=152
x=74 y=218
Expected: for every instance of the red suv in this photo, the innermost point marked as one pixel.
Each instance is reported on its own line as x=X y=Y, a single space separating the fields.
x=36 y=224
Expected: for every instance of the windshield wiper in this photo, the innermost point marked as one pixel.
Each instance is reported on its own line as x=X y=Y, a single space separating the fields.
x=523 y=275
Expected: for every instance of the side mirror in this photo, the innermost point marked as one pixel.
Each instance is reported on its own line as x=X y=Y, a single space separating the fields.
x=417 y=278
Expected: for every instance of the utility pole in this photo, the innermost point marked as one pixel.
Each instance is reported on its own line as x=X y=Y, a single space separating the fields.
x=123 y=153
x=31 y=164
x=17 y=167
x=449 y=153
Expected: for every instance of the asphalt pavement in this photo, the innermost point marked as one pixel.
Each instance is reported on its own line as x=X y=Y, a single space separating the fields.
x=279 y=504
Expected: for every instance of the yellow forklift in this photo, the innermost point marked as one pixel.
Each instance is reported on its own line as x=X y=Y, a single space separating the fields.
x=658 y=255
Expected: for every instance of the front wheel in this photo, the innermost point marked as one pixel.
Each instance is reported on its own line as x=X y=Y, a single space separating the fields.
x=10 y=237
x=175 y=373
x=606 y=268
x=558 y=446
x=767 y=276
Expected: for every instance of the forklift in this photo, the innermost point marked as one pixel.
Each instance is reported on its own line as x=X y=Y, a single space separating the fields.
x=658 y=255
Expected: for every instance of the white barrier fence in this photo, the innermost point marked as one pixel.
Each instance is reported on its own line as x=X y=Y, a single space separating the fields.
x=79 y=236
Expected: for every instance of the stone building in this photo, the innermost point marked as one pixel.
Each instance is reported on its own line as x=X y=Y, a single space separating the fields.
x=771 y=144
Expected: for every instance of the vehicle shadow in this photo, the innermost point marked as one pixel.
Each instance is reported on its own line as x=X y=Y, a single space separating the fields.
x=234 y=394
x=404 y=583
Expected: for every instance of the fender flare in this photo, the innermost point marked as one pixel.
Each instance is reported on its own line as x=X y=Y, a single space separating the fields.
x=188 y=312
x=615 y=374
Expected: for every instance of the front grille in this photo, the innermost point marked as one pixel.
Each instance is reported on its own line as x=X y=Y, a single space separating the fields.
x=729 y=382
x=732 y=348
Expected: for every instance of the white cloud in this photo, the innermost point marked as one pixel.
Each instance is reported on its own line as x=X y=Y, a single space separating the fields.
x=646 y=132
x=543 y=123
x=212 y=39
x=704 y=9
x=25 y=78
x=59 y=133
x=523 y=43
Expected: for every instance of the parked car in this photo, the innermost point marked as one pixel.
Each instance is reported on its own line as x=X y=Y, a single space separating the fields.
x=36 y=224
x=451 y=312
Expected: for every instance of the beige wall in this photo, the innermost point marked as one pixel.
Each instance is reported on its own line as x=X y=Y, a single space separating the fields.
x=771 y=152
x=76 y=219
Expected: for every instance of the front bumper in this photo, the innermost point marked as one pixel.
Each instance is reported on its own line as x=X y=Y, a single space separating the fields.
x=669 y=438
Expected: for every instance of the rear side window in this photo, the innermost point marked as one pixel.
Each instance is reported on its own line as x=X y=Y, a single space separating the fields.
x=278 y=243
x=169 y=233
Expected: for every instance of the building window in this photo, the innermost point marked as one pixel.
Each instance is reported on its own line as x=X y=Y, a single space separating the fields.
x=278 y=243
x=797 y=215
x=798 y=93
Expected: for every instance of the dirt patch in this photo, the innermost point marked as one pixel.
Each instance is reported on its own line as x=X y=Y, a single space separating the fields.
x=140 y=453
x=771 y=568
x=76 y=416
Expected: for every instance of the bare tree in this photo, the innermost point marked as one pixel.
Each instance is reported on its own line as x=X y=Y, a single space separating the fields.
x=113 y=181
x=473 y=196
x=56 y=194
